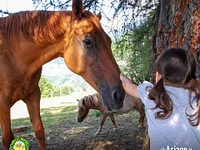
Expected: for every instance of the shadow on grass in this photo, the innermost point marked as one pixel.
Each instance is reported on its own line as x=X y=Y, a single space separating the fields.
x=63 y=132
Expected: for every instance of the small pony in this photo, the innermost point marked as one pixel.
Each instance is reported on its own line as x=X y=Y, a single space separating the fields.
x=95 y=102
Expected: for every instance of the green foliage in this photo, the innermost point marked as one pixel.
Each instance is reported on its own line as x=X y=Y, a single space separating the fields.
x=48 y=90
x=45 y=87
x=97 y=113
x=56 y=91
x=59 y=91
x=66 y=90
x=133 y=51
x=76 y=82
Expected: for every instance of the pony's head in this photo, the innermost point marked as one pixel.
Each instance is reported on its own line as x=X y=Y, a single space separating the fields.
x=86 y=103
x=89 y=55
x=83 y=109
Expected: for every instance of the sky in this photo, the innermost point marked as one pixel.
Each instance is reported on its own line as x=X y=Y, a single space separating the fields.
x=16 y=5
x=22 y=5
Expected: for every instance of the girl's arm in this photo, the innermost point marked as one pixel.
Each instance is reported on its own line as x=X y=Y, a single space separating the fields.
x=128 y=86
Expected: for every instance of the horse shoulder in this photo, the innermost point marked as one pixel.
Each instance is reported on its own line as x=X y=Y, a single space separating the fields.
x=15 y=85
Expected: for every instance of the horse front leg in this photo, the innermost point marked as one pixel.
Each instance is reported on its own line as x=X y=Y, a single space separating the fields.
x=7 y=135
x=33 y=104
x=113 y=121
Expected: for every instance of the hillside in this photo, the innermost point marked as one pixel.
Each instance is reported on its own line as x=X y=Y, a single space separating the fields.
x=58 y=74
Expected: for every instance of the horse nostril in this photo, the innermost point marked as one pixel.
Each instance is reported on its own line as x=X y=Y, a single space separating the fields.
x=116 y=96
x=113 y=98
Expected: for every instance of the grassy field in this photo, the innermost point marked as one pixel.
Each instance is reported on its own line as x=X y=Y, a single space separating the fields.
x=63 y=132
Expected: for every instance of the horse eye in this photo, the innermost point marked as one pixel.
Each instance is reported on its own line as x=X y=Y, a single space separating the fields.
x=87 y=42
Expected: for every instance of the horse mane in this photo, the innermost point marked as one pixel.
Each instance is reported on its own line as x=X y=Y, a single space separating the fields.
x=40 y=27
x=89 y=100
x=37 y=26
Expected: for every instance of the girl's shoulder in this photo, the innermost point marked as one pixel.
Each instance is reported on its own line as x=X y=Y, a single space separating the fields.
x=145 y=86
x=143 y=91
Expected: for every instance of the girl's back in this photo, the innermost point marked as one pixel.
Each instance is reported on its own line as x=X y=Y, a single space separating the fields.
x=172 y=105
x=175 y=131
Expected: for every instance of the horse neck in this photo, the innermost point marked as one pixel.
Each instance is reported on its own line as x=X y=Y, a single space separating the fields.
x=98 y=103
x=34 y=42
x=40 y=27
x=93 y=102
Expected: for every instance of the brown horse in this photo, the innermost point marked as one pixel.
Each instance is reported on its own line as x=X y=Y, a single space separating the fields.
x=32 y=38
x=95 y=102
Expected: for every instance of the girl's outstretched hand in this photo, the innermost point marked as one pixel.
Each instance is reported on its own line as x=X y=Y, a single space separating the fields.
x=128 y=86
x=125 y=80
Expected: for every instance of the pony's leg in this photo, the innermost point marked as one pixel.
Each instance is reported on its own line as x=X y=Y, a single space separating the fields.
x=113 y=121
x=6 y=125
x=101 y=124
x=33 y=104
x=142 y=116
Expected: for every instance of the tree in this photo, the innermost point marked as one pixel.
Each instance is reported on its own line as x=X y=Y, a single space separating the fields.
x=133 y=51
x=178 y=26
x=66 y=90
x=4 y=12
x=45 y=87
x=61 y=91
x=48 y=90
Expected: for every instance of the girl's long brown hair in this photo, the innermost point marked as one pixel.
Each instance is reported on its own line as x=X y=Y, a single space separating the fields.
x=178 y=68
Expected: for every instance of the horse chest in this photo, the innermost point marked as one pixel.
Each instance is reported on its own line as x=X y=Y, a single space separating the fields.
x=19 y=86
x=29 y=84
x=22 y=90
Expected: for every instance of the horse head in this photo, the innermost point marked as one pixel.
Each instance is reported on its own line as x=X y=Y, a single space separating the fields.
x=83 y=110
x=89 y=55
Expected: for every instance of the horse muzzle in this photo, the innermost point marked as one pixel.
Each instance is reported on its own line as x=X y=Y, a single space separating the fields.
x=79 y=120
x=112 y=99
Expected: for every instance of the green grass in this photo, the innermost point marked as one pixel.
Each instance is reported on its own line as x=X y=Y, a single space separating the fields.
x=95 y=113
x=50 y=116
x=56 y=116
x=62 y=129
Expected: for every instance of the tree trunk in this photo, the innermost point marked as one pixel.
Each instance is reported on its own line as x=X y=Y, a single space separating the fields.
x=178 y=25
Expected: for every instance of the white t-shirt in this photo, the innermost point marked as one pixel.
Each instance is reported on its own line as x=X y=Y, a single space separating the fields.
x=174 y=132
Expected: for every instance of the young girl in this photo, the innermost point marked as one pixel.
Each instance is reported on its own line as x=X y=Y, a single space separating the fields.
x=172 y=105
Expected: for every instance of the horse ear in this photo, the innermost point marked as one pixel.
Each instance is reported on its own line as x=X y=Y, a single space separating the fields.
x=99 y=16
x=77 y=8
